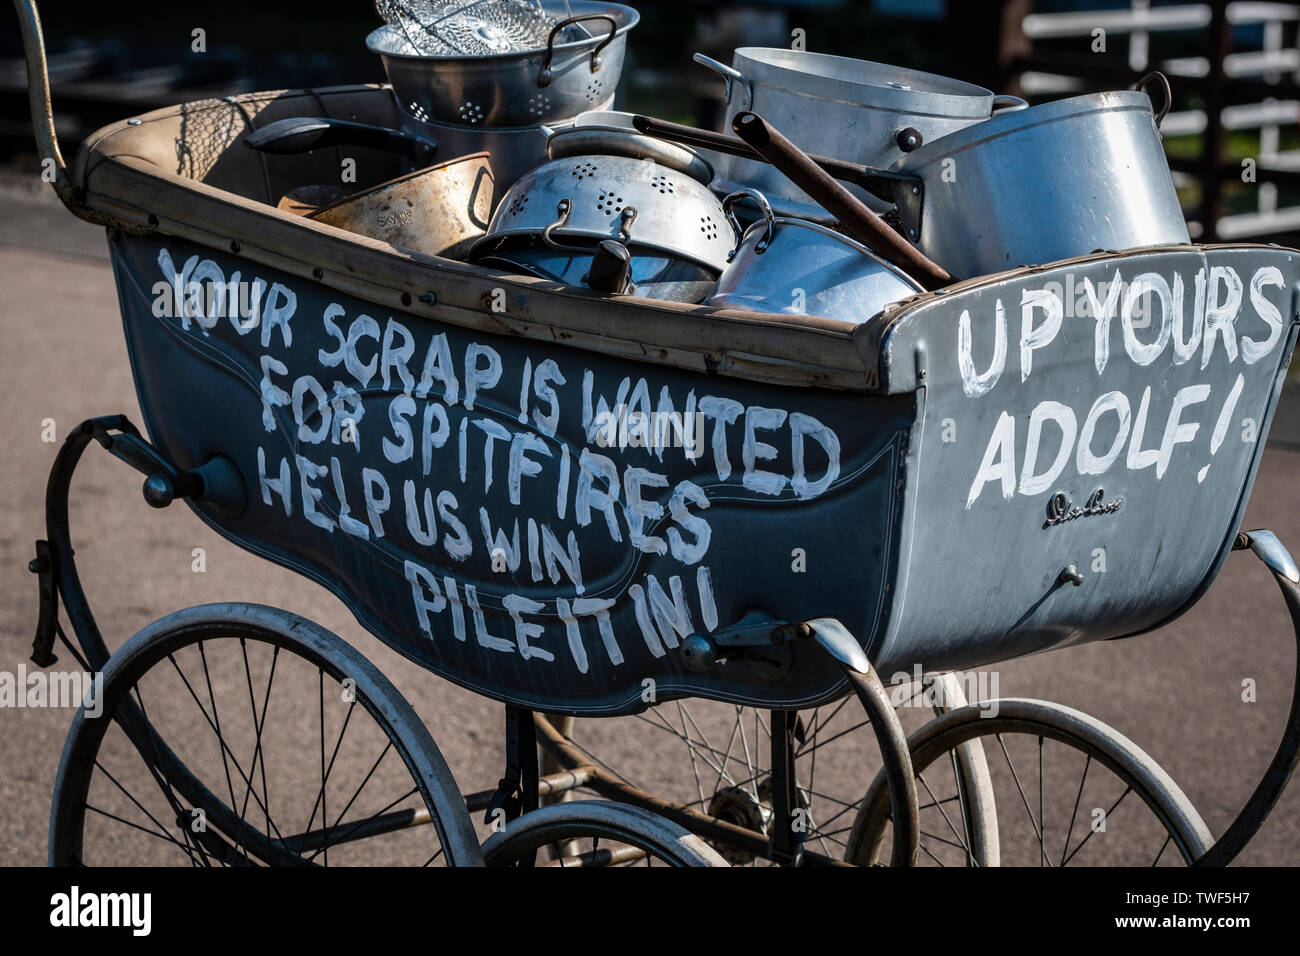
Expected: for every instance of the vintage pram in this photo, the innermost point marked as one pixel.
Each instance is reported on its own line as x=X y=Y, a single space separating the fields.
x=592 y=506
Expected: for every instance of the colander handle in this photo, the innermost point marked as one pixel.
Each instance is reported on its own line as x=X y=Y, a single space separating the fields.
x=544 y=75
x=562 y=211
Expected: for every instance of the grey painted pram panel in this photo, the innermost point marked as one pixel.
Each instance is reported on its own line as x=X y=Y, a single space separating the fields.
x=981 y=569
x=754 y=516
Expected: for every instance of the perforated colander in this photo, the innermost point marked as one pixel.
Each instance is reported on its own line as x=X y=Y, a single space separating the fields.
x=501 y=63
x=467 y=27
x=572 y=203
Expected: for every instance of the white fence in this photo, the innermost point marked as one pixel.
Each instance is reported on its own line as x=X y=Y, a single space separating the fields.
x=1275 y=62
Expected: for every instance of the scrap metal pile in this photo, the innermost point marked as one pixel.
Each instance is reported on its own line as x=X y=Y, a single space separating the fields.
x=836 y=186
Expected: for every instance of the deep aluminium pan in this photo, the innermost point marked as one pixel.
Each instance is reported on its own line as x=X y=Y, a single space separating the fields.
x=1042 y=184
x=855 y=110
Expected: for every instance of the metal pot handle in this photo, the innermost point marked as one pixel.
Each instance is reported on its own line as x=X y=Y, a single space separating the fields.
x=300 y=134
x=544 y=75
x=1155 y=76
x=763 y=206
x=563 y=208
x=730 y=75
x=1006 y=103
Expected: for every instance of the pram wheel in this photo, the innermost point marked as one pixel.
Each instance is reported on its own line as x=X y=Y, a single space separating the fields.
x=715 y=761
x=584 y=833
x=238 y=735
x=1069 y=790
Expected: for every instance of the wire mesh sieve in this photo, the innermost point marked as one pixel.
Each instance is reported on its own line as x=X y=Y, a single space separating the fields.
x=467 y=27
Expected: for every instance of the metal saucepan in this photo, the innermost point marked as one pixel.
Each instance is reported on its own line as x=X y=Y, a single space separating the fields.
x=1051 y=182
x=854 y=217
x=437 y=210
x=849 y=109
x=535 y=87
x=798 y=267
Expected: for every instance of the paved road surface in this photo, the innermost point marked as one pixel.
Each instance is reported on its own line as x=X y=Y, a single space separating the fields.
x=1177 y=693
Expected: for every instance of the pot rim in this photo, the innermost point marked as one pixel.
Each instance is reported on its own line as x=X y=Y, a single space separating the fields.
x=674 y=156
x=826 y=231
x=1004 y=124
x=444 y=128
x=482 y=247
x=517 y=254
x=592 y=236
x=940 y=95
x=370 y=191
x=618 y=11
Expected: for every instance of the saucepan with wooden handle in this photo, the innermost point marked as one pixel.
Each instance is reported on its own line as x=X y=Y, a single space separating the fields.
x=858 y=221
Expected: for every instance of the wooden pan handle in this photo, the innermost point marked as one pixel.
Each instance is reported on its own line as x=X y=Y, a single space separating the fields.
x=879 y=182
x=854 y=216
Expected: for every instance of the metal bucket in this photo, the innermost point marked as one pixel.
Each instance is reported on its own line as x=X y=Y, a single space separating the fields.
x=515 y=89
x=1058 y=180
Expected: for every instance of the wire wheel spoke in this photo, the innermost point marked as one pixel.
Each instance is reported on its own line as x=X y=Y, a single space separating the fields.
x=937 y=804
x=1127 y=791
x=722 y=757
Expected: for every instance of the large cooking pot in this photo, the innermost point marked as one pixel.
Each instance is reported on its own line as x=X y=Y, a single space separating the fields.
x=797 y=267
x=530 y=88
x=1047 y=183
x=848 y=109
x=513 y=151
